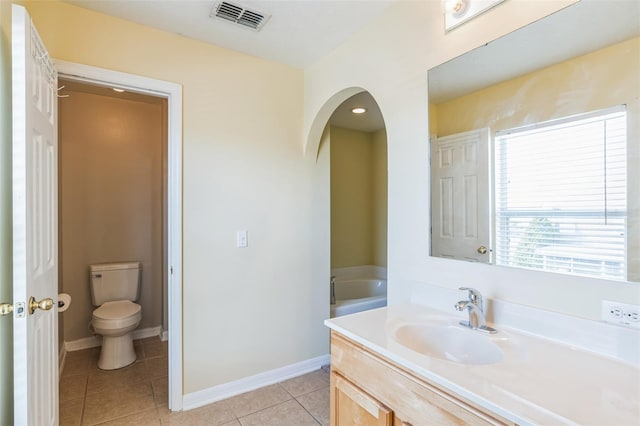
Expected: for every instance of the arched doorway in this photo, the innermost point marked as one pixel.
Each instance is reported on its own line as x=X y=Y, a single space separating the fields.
x=357 y=142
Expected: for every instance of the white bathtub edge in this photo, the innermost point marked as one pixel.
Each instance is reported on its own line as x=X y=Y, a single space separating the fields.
x=365 y=271
x=357 y=305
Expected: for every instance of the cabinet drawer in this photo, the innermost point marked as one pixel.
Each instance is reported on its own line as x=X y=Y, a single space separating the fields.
x=413 y=400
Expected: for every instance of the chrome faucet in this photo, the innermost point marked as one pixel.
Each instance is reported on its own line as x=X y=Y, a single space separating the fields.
x=332 y=297
x=476 y=312
x=474 y=297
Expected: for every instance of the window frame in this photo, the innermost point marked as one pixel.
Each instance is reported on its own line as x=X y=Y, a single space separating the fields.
x=498 y=215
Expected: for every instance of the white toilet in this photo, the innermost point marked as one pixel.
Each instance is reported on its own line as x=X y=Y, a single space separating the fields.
x=114 y=288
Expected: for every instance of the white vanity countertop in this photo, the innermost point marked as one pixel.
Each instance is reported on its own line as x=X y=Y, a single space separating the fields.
x=540 y=382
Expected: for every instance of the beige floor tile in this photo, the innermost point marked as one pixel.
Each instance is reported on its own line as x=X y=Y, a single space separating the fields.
x=140 y=355
x=125 y=391
x=136 y=390
x=72 y=387
x=113 y=404
x=163 y=411
x=71 y=412
x=306 y=383
x=134 y=372
x=138 y=395
x=214 y=414
x=95 y=356
x=161 y=390
x=317 y=404
x=143 y=418
x=99 y=408
x=157 y=367
x=100 y=383
x=257 y=400
x=155 y=349
x=288 y=413
x=101 y=380
x=79 y=362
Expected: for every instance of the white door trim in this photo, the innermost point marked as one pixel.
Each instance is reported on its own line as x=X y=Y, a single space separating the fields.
x=173 y=93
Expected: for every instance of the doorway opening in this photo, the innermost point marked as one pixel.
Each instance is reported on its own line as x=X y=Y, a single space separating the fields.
x=358 y=188
x=167 y=98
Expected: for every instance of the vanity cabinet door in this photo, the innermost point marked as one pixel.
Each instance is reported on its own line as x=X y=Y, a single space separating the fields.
x=351 y=406
x=413 y=400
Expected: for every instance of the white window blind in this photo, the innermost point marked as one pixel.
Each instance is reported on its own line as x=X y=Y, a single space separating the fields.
x=561 y=195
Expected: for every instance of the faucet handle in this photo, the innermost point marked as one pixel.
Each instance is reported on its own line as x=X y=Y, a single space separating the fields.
x=474 y=295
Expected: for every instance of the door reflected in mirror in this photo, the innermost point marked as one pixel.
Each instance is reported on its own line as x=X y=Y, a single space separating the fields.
x=535 y=146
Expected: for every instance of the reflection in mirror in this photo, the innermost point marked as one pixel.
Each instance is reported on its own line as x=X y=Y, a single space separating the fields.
x=535 y=146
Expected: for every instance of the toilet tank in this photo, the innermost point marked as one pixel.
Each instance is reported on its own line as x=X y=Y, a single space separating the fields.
x=114 y=281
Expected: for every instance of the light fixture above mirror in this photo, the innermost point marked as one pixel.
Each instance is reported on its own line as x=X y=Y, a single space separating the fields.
x=457 y=12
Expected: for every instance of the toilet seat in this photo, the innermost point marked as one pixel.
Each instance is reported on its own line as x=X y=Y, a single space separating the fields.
x=118 y=314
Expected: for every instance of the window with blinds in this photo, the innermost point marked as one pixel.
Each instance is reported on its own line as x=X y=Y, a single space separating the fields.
x=560 y=197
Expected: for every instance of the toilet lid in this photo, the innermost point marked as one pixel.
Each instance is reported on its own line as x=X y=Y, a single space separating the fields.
x=117 y=310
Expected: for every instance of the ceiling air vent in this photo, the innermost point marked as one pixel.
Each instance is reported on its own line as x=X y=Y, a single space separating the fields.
x=239 y=15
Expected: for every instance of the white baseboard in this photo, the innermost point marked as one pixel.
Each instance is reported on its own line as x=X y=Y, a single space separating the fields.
x=165 y=335
x=95 y=341
x=227 y=390
x=147 y=332
x=85 y=343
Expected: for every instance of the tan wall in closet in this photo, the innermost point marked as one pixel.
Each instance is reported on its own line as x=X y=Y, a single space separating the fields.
x=111 y=195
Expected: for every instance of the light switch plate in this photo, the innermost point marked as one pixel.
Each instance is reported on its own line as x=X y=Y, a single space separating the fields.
x=242 y=239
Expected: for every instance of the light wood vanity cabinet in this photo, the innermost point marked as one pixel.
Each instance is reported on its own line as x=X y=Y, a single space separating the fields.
x=369 y=390
x=353 y=406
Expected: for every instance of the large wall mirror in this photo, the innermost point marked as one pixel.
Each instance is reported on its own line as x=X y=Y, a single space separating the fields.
x=535 y=146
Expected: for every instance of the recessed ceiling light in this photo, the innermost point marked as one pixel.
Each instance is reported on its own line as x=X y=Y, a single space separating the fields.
x=115 y=89
x=359 y=110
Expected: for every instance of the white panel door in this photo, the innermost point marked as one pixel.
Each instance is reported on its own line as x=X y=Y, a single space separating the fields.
x=35 y=260
x=460 y=196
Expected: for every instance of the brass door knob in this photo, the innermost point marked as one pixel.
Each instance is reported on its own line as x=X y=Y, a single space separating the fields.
x=44 y=304
x=482 y=249
x=5 y=309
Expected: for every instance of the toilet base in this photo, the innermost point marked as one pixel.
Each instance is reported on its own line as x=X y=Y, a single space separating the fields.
x=116 y=352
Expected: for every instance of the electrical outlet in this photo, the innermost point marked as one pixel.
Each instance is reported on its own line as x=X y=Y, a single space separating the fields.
x=620 y=313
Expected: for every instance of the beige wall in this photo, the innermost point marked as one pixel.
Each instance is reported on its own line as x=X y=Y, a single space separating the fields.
x=246 y=311
x=379 y=198
x=392 y=56
x=358 y=193
x=598 y=80
x=351 y=195
x=591 y=82
x=111 y=196
x=6 y=290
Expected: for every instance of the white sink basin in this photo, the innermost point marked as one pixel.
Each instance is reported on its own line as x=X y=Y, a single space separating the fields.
x=450 y=342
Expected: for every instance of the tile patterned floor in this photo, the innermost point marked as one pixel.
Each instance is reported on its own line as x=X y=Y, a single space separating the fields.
x=137 y=395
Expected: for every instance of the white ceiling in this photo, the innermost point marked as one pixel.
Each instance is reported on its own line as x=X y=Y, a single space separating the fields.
x=370 y=121
x=298 y=33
